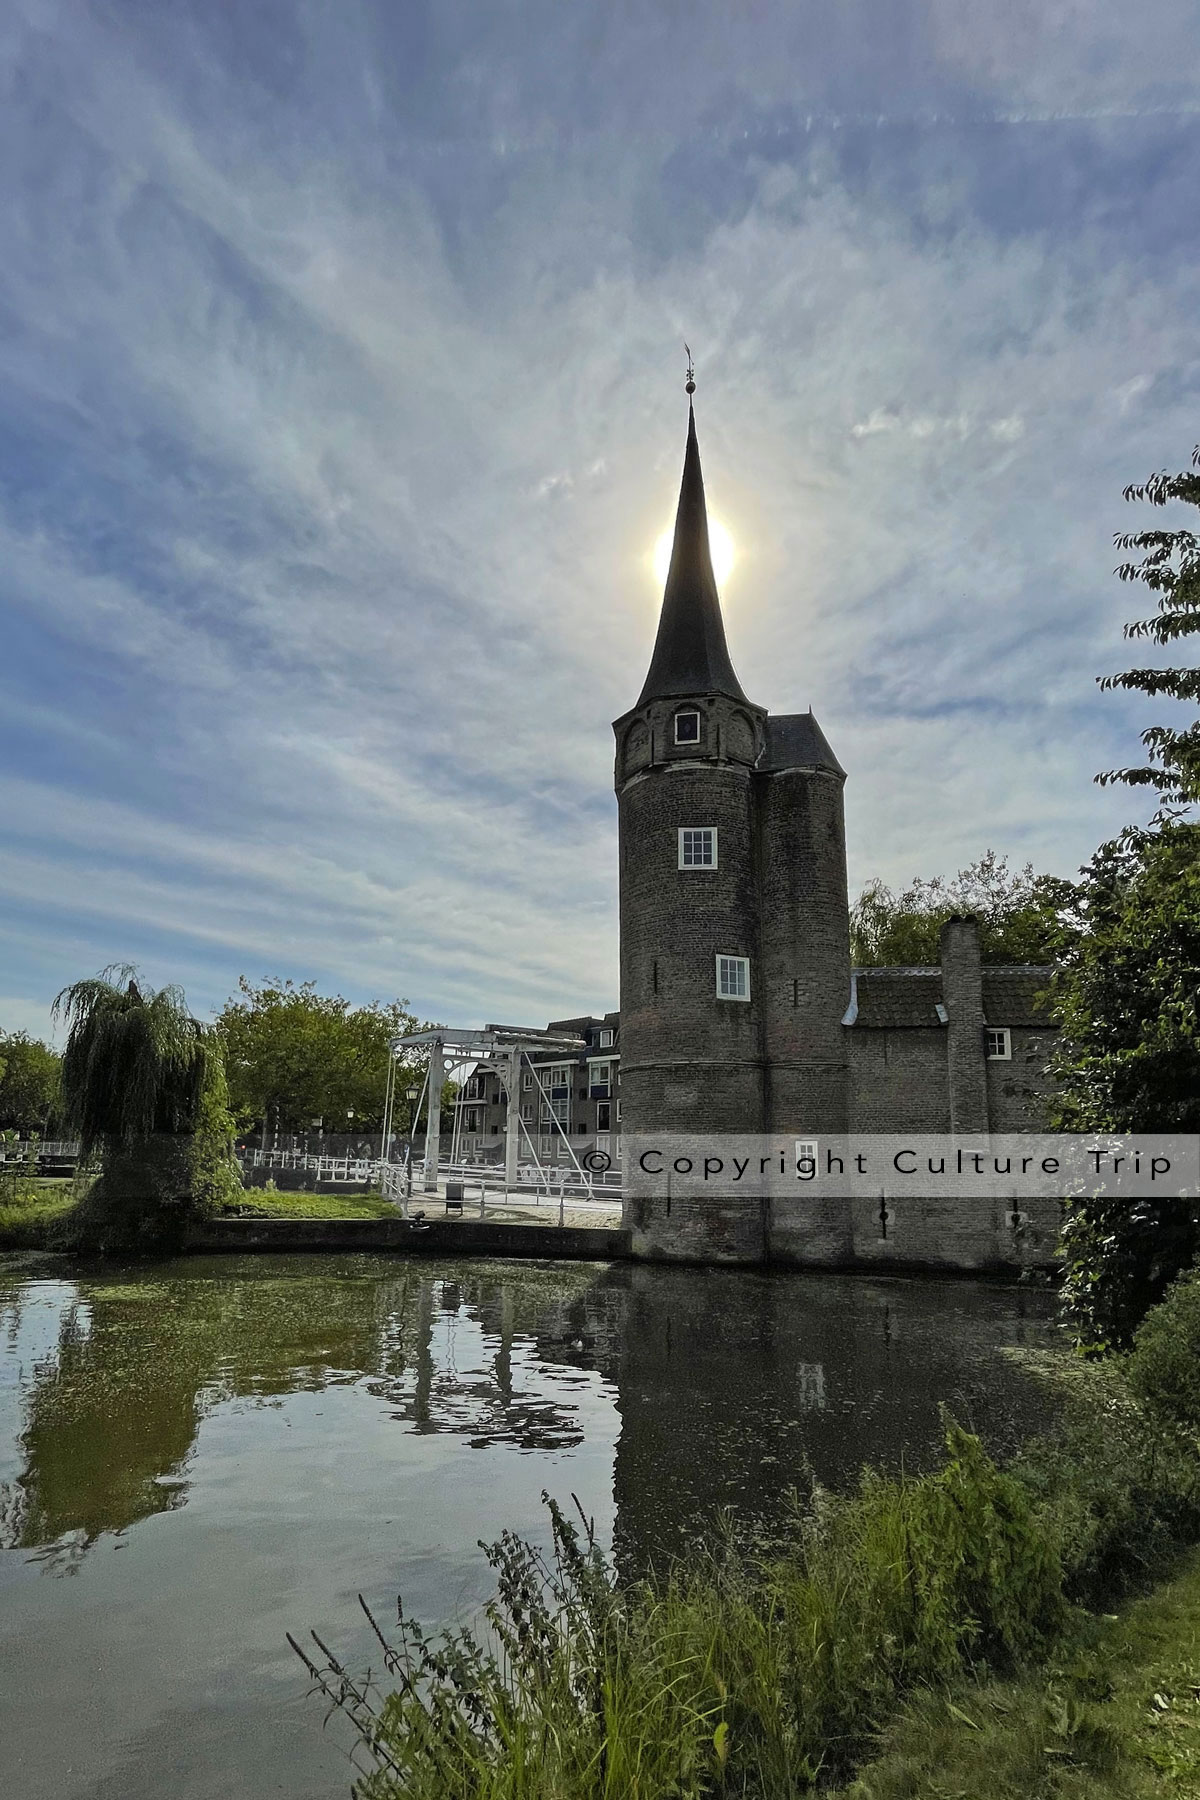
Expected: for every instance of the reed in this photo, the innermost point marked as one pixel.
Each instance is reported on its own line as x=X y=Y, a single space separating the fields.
x=730 y=1674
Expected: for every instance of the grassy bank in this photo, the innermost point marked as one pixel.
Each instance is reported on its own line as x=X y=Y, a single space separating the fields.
x=767 y=1674
x=34 y=1213
x=30 y=1209
x=266 y=1203
x=1116 y=1716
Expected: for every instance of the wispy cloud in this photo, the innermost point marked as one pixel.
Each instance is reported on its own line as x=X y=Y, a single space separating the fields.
x=340 y=381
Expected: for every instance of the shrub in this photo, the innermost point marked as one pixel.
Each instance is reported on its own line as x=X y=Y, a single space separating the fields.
x=1163 y=1369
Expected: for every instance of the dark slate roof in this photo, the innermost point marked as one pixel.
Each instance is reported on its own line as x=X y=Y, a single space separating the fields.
x=690 y=653
x=1010 y=993
x=898 y=999
x=796 y=741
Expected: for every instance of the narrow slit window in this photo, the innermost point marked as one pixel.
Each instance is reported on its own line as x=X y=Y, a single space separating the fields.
x=733 y=977
x=697 y=846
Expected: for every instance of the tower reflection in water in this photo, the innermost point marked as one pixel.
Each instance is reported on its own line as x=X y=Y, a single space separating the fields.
x=725 y=1386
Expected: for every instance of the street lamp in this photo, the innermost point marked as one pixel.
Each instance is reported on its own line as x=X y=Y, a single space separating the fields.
x=412 y=1095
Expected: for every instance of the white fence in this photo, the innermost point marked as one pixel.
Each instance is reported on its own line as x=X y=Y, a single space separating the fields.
x=44 y=1150
x=549 y=1179
x=360 y=1171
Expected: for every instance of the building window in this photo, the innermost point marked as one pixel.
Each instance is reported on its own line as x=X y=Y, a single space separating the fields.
x=527 y=1081
x=733 y=977
x=687 y=727
x=606 y=1037
x=697 y=846
x=604 y=1116
x=998 y=1044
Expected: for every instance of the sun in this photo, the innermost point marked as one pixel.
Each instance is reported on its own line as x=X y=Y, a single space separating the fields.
x=720 y=548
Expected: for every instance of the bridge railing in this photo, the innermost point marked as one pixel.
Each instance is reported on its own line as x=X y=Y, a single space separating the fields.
x=59 y=1150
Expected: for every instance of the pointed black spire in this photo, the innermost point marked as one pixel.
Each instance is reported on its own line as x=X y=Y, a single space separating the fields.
x=690 y=654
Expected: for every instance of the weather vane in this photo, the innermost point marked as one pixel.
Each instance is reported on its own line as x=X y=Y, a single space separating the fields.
x=689 y=386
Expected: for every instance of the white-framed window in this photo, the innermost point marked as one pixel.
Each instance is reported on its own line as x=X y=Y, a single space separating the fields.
x=687 y=726
x=527 y=1080
x=604 y=1041
x=997 y=1043
x=618 y=1105
x=697 y=846
x=733 y=977
x=806 y=1153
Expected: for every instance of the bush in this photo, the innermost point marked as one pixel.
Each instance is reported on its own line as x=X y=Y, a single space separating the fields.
x=1163 y=1369
x=1114 y=1494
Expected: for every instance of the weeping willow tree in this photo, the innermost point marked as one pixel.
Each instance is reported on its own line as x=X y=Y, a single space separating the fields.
x=143 y=1086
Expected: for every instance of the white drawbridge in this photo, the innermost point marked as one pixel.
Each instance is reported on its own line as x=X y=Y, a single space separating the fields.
x=505 y=1049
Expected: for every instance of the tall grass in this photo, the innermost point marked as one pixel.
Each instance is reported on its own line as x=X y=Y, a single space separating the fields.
x=761 y=1676
x=730 y=1675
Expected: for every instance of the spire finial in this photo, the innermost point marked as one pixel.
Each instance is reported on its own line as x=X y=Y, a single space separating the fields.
x=689 y=386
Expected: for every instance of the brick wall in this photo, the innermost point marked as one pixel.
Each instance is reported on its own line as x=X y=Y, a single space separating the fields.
x=805 y=948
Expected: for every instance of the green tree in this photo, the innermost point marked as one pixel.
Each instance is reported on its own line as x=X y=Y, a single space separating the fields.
x=144 y=1088
x=1017 y=915
x=30 y=1092
x=1124 y=996
x=294 y=1056
x=1170 y=567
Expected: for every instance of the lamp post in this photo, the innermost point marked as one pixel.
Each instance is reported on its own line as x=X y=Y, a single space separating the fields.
x=412 y=1095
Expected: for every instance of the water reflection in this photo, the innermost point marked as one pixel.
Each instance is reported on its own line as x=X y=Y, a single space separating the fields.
x=725 y=1384
x=732 y=1387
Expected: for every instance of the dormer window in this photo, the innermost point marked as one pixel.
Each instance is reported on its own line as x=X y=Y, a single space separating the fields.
x=687 y=726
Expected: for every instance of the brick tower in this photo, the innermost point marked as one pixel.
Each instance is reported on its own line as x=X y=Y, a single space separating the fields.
x=735 y=965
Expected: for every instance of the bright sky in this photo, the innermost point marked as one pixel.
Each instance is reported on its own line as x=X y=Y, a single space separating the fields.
x=341 y=351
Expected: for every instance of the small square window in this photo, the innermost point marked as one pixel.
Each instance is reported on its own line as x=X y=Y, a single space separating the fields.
x=697 y=846
x=998 y=1044
x=733 y=977
x=606 y=1037
x=687 y=727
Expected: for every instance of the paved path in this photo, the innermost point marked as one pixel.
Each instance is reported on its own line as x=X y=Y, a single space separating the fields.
x=521 y=1209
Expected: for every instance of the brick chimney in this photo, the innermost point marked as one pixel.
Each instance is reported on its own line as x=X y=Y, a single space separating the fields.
x=962 y=994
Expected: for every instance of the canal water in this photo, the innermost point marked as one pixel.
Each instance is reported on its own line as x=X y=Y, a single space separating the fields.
x=197 y=1457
